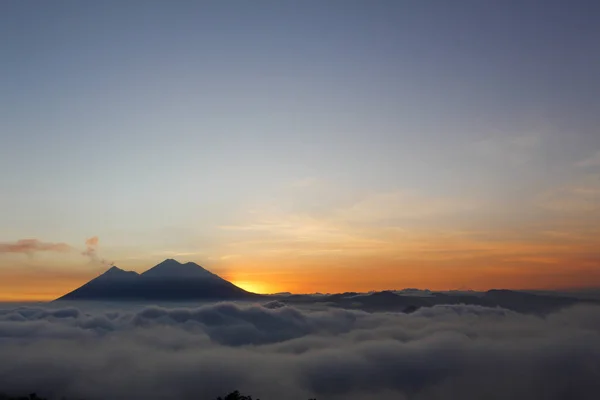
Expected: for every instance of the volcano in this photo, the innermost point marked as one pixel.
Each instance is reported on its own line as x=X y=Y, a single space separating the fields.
x=168 y=281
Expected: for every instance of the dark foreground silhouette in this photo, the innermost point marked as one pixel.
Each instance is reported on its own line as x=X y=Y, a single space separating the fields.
x=236 y=395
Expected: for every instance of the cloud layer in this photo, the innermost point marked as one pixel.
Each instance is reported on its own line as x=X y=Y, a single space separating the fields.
x=443 y=352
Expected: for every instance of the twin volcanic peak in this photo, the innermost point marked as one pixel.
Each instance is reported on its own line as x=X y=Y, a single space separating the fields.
x=168 y=281
x=173 y=269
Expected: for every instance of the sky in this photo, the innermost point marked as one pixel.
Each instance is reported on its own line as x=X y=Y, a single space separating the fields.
x=314 y=146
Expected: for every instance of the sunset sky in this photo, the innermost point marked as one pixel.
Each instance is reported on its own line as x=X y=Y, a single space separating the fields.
x=305 y=146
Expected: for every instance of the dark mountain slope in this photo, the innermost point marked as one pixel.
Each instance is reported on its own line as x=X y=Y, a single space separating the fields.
x=167 y=281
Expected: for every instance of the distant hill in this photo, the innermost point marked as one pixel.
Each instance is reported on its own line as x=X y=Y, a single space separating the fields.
x=168 y=281
x=397 y=302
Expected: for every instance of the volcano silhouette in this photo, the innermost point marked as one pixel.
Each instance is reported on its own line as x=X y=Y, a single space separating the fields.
x=168 y=281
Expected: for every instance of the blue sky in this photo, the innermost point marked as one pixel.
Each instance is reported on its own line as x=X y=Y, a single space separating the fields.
x=210 y=129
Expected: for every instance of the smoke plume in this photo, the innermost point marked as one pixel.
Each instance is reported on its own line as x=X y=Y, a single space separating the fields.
x=91 y=251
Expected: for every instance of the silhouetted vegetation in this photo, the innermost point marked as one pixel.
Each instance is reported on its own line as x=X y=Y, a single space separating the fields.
x=32 y=396
x=235 y=395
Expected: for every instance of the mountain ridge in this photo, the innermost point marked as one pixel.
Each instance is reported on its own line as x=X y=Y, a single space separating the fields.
x=171 y=268
x=169 y=280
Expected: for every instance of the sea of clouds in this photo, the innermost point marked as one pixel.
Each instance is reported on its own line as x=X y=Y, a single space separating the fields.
x=276 y=352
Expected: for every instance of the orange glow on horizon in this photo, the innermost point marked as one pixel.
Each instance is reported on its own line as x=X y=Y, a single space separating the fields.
x=336 y=279
x=444 y=262
x=253 y=286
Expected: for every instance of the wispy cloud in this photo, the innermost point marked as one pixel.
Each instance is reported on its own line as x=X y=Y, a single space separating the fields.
x=403 y=205
x=300 y=235
x=367 y=226
x=577 y=200
x=592 y=161
x=30 y=246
